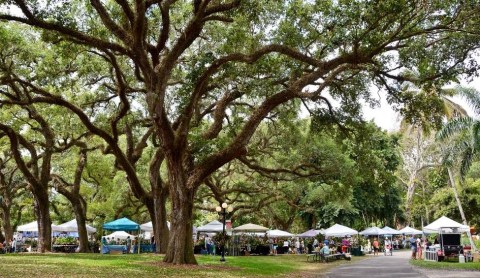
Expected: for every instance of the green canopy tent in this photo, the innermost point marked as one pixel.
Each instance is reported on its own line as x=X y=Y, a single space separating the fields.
x=123 y=224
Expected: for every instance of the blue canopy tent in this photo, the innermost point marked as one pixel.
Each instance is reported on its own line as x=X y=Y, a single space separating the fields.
x=122 y=224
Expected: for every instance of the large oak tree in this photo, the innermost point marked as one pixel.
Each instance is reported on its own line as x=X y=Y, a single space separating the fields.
x=210 y=71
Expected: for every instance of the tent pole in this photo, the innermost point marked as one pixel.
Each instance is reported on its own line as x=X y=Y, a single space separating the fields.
x=441 y=240
x=138 y=239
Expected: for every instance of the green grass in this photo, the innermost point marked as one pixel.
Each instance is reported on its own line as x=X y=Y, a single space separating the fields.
x=446 y=265
x=147 y=265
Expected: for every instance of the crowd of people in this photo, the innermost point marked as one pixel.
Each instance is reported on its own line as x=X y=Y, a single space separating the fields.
x=328 y=248
x=8 y=247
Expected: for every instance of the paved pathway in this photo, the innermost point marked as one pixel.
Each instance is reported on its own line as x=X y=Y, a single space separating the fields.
x=392 y=267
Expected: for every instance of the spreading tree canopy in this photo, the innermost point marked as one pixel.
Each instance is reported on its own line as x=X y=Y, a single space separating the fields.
x=207 y=73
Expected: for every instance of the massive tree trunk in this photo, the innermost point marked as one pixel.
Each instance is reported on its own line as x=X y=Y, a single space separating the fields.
x=180 y=245
x=44 y=222
x=80 y=215
x=6 y=223
x=158 y=212
x=159 y=222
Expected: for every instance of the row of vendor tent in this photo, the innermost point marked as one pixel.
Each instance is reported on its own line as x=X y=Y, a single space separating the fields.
x=335 y=230
x=70 y=226
x=375 y=231
x=217 y=227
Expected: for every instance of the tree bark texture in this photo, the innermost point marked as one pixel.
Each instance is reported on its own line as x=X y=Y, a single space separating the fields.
x=44 y=222
x=180 y=245
x=80 y=216
x=159 y=223
x=6 y=223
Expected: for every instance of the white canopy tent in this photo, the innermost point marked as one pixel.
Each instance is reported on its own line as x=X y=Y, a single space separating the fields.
x=250 y=228
x=391 y=231
x=71 y=226
x=120 y=235
x=311 y=233
x=33 y=227
x=373 y=231
x=445 y=224
x=279 y=233
x=212 y=227
x=148 y=227
x=338 y=230
x=410 y=231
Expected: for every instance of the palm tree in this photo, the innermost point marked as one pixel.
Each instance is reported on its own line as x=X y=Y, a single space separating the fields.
x=422 y=153
x=462 y=135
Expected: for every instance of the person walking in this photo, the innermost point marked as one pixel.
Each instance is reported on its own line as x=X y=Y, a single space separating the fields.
x=419 y=248
x=388 y=246
x=129 y=244
x=413 y=247
x=376 y=247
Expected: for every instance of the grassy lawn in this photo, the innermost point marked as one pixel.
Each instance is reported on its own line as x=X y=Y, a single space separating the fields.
x=446 y=265
x=96 y=265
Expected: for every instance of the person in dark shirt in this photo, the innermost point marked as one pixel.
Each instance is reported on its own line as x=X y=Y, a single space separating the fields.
x=153 y=243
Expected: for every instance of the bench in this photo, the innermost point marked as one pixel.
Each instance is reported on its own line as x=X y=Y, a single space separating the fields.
x=313 y=256
x=326 y=258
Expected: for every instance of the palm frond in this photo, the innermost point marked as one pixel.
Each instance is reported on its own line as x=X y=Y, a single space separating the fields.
x=475 y=134
x=454 y=127
x=466 y=162
x=453 y=109
x=472 y=96
x=448 y=157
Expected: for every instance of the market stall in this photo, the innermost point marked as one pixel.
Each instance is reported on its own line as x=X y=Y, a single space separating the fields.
x=449 y=234
x=248 y=239
x=26 y=237
x=122 y=224
x=338 y=230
